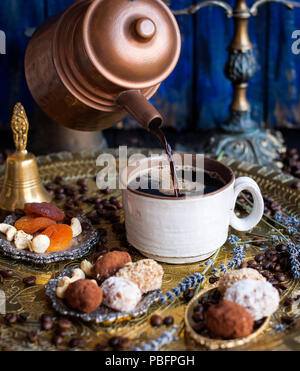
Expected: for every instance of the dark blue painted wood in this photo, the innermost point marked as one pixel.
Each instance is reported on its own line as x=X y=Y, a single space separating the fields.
x=15 y=17
x=197 y=94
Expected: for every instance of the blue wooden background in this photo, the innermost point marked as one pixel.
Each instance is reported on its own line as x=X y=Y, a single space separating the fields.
x=197 y=94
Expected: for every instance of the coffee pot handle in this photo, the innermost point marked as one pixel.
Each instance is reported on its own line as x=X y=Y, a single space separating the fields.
x=134 y=102
x=250 y=221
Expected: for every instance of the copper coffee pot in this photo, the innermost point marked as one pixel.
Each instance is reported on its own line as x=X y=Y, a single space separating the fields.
x=100 y=60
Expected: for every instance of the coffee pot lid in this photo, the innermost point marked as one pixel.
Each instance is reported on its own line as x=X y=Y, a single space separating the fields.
x=132 y=43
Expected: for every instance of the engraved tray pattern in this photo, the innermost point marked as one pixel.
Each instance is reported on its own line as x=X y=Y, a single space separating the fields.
x=33 y=300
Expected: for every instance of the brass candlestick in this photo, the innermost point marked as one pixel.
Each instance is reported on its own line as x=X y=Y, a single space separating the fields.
x=21 y=182
x=241 y=137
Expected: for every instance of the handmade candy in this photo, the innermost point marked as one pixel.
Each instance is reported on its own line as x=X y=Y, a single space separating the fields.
x=229 y=320
x=120 y=294
x=240 y=274
x=108 y=264
x=84 y=295
x=260 y=299
x=145 y=273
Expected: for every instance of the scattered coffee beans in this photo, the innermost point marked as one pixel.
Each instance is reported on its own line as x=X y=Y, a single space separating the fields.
x=168 y=321
x=156 y=320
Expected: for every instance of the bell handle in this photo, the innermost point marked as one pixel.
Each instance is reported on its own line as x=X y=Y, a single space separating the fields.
x=134 y=102
x=20 y=126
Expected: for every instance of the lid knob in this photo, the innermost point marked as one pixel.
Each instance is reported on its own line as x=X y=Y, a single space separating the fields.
x=145 y=28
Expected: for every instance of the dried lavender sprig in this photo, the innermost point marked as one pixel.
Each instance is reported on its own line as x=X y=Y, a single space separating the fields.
x=294 y=256
x=187 y=283
x=153 y=345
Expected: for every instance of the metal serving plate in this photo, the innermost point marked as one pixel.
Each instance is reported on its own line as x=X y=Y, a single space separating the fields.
x=79 y=247
x=102 y=313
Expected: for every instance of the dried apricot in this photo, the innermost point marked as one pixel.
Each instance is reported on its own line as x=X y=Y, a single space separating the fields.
x=44 y=209
x=60 y=235
x=30 y=224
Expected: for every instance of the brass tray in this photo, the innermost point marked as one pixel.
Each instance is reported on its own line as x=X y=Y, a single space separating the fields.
x=33 y=300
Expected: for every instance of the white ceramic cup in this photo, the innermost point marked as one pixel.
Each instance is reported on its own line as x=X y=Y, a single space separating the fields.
x=190 y=229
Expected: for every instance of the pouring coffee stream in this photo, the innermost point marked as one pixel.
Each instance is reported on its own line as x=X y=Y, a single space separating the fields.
x=161 y=136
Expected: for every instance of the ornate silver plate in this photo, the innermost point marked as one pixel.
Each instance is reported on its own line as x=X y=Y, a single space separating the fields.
x=102 y=313
x=79 y=247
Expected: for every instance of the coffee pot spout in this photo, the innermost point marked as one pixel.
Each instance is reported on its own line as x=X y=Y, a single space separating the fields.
x=135 y=103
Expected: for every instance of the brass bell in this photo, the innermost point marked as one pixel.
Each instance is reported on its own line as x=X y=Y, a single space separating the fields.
x=21 y=183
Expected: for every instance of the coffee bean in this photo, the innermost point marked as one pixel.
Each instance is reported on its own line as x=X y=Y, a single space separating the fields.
x=267 y=274
x=267 y=265
x=280 y=277
x=156 y=320
x=288 y=320
x=213 y=279
x=10 y=318
x=6 y=273
x=168 y=321
x=197 y=317
x=77 y=343
x=64 y=324
x=61 y=332
x=199 y=327
x=259 y=258
x=97 y=200
x=281 y=248
x=119 y=205
x=57 y=340
x=106 y=190
x=32 y=336
x=198 y=308
x=45 y=317
x=125 y=342
x=47 y=325
x=29 y=281
x=83 y=189
x=113 y=200
x=59 y=180
x=274 y=258
x=81 y=182
x=288 y=302
x=21 y=318
x=188 y=294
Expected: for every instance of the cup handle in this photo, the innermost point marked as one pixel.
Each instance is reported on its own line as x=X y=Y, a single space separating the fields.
x=250 y=221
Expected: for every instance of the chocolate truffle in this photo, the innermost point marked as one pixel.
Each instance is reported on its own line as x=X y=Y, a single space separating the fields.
x=120 y=294
x=260 y=299
x=84 y=295
x=108 y=264
x=145 y=273
x=229 y=320
x=240 y=274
